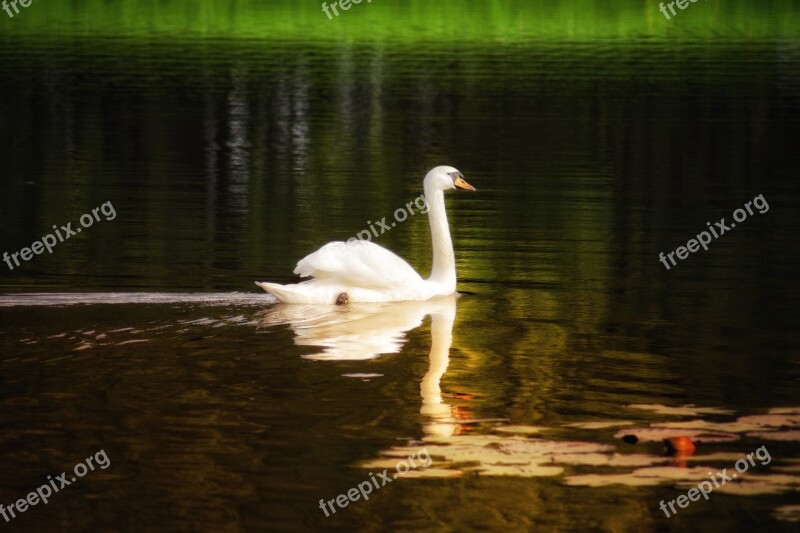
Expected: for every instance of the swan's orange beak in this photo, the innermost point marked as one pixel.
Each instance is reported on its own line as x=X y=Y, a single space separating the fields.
x=461 y=184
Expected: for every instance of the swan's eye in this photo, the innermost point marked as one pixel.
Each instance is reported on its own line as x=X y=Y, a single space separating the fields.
x=455 y=175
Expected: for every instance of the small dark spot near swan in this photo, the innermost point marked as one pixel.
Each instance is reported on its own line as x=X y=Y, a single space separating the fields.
x=342 y=299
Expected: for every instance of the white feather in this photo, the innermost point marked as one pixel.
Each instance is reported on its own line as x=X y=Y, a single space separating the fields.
x=358 y=264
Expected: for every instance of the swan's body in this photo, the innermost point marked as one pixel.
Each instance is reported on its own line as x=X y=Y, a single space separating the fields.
x=367 y=272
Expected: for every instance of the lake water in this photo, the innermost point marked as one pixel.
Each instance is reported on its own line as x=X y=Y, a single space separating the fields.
x=227 y=161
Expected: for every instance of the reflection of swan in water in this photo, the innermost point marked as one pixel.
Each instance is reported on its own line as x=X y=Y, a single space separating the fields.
x=442 y=422
x=363 y=331
x=355 y=331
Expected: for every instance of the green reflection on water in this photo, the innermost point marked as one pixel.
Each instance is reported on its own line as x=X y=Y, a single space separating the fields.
x=413 y=20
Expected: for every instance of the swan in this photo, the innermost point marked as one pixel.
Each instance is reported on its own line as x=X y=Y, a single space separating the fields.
x=362 y=271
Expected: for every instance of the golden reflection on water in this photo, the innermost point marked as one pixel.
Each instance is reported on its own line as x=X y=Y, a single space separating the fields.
x=463 y=445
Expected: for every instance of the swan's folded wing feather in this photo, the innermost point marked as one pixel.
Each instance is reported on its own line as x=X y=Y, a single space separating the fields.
x=359 y=263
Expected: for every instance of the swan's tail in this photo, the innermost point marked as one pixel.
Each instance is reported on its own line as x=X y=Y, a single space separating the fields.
x=281 y=292
x=299 y=293
x=309 y=292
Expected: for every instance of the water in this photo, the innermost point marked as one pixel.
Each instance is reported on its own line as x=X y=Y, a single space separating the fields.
x=228 y=160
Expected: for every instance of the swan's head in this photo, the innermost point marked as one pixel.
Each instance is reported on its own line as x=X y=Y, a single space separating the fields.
x=444 y=178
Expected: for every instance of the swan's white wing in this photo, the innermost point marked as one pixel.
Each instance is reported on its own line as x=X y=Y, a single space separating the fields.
x=360 y=264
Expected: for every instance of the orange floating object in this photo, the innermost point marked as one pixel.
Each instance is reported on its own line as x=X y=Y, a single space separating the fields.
x=682 y=446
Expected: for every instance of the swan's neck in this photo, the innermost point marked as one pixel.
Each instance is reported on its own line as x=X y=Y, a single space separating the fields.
x=443 y=270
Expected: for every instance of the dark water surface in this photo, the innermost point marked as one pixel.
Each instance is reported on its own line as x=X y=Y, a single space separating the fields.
x=226 y=162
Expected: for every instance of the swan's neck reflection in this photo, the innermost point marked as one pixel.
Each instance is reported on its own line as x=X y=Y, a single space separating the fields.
x=442 y=422
x=365 y=331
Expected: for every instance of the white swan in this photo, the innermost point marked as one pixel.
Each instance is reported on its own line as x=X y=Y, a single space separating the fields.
x=362 y=271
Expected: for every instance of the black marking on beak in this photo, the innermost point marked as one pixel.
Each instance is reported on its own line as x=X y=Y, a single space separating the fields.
x=454 y=175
